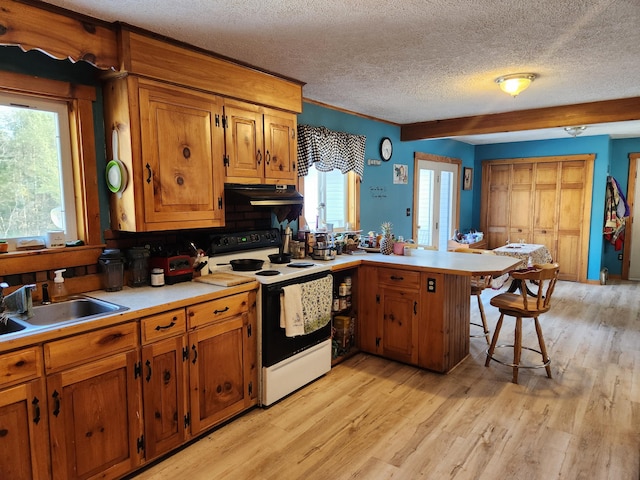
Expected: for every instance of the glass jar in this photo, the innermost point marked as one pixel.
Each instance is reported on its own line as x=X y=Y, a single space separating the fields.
x=112 y=266
x=138 y=259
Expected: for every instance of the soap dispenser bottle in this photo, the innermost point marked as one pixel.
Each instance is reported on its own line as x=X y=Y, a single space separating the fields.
x=59 y=293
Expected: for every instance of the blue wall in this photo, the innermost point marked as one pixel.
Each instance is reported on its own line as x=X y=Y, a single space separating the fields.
x=611 y=157
x=380 y=199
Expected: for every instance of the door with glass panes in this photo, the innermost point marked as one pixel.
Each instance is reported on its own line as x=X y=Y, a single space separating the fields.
x=435 y=200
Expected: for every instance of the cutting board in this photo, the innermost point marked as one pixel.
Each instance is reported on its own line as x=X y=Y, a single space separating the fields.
x=223 y=279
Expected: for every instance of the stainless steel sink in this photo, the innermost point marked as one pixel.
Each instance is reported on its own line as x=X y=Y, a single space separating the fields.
x=11 y=327
x=76 y=308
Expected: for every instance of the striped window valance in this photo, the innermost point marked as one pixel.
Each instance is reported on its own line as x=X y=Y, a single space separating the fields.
x=326 y=150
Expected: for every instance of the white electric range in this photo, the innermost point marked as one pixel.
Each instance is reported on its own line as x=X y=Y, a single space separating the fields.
x=285 y=363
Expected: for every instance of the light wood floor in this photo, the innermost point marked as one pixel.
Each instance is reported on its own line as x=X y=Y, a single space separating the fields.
x=370 y=418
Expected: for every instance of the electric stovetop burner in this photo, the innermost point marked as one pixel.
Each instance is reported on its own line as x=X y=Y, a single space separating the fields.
x=268 y=273
x=300 y=265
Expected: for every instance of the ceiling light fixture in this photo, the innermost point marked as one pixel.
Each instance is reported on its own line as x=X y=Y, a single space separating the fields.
x=516 y=83
x=575 y=131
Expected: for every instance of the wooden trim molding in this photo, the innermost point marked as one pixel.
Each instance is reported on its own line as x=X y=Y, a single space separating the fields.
x=60 y=33
x=619 y=110
x=631 y=198
x=79 y=99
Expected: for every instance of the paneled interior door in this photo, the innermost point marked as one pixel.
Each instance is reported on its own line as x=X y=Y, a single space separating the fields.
x=632 y=250
x=545 y=200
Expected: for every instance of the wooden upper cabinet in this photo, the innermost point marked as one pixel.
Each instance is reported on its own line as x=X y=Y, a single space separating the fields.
x=171 y=142
x=181 y=145
x=244 y=143
x=260 y=144
x=280 y=148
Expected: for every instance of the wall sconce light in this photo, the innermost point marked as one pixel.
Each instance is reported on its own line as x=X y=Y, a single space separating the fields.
x=575 y=131
x=516 y=83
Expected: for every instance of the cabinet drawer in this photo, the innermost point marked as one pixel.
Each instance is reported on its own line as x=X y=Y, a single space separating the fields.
x=20 y=366
x=216 y=310
x=163 y=325
x=404 y=278
x=88 y=346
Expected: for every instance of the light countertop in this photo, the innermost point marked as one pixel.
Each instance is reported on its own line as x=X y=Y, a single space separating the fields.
x=145 y=301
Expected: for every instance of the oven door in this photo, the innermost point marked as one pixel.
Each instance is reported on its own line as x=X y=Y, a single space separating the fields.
x=276 y=346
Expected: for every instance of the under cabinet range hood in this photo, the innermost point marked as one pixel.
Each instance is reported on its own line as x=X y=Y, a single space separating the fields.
x=260 y=195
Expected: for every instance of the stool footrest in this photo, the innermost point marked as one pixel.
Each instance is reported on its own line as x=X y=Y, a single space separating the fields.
x=522 y=365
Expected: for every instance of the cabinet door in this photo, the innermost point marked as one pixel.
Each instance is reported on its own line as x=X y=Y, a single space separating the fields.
x=244 y=158
x=280 y=148
x=218 y=385
x=521 y=203
x=94 y=419
x=164 y=389
x=367 y=330
x=24 y=443
x=400 y=311
x=545 y=209
x=573 y=230
x=496 y=180
x=182 y=153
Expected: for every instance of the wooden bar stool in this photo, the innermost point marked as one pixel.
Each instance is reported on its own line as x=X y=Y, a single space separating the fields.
x=478 y=284
x=522 y=306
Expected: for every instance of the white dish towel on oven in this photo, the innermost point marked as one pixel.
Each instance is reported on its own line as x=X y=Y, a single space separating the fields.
x=291 y=316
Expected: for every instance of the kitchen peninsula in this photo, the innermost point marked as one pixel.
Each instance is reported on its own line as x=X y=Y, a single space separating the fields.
x=415 y=308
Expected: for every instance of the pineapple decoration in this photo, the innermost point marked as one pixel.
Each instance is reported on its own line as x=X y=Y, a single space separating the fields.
x=386 y=243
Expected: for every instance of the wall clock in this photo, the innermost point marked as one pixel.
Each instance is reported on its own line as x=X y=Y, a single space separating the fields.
x=386 y=149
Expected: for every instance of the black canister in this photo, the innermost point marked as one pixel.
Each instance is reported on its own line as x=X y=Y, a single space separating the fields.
x=138 y=266
x=112 y=265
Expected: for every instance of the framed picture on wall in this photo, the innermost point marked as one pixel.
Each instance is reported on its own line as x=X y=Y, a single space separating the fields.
x=467 y=178
x=401 y=174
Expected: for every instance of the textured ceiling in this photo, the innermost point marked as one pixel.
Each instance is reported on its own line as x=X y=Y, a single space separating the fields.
x=413 y=60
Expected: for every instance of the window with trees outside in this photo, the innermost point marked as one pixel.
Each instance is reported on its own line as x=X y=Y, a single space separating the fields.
x=330 y=198
x=36 y=170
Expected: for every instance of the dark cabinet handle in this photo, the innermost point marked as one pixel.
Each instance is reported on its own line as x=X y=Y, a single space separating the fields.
x=148 y=365
x=259 y=157
x=56 y=403
x=393 y=277
x=165 y=327
x=415 y=308
x=148 y=170
x=268 y=157
x=36 y=410
x=195 y=354
x=216 y=312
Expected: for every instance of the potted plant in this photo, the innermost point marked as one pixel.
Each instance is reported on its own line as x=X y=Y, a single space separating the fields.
x=386 y=242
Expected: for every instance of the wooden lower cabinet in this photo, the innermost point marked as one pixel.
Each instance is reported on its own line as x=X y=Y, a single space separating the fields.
x=164 y=391
x=418 y=318
x=95 y=418
x=164 y=382
x=120 y=396
x=222 y=360
x=24 y=442
x=390 y=313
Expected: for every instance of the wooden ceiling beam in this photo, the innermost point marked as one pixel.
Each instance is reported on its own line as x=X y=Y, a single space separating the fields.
x=620 y=110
